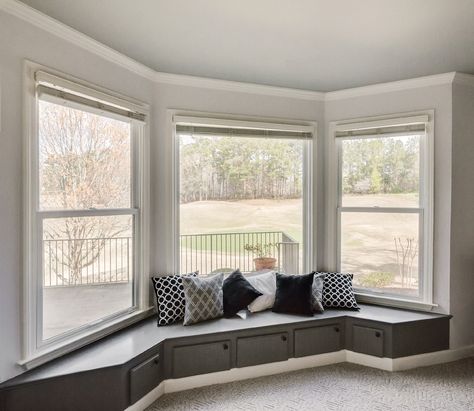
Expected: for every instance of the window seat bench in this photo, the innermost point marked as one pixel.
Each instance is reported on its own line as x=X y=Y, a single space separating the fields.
x=117 y=371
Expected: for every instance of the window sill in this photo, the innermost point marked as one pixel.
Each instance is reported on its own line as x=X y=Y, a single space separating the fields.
x=65 y=347
x=394 y=302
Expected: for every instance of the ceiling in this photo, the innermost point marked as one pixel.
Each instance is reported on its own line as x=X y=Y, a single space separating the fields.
x=321 y=45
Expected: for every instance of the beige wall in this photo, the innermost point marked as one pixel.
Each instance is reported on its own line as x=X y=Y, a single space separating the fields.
x=462 y=220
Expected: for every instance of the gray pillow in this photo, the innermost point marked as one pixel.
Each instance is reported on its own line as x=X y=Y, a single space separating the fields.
x=318 y=284
x=204 y=298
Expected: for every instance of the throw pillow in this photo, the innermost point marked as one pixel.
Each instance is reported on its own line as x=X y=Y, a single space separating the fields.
x=238 y=293
x=266 y=285
x=318 y=284
x=294 y=294
x=338 y=292
x=204 y=299
x=169 y=297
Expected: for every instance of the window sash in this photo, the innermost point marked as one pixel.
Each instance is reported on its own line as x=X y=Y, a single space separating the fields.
x=421 y=246
x=425 y=193
x=42 y=215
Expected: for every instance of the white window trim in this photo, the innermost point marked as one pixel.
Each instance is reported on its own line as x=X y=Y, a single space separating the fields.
x=32 y=353
x=175 y=117
x=425 y=300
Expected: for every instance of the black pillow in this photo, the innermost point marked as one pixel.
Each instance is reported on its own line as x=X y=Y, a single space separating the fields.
x=294 y=294
x=238 y=293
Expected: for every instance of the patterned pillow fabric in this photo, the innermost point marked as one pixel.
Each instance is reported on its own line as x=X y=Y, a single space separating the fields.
x=204 y=298
x=318 y=284
x=338 y=292
x=169 y=297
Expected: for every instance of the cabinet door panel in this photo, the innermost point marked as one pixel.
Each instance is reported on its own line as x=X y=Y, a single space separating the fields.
x=368 y=340
x=262 y=349
x=201 y=358
x=318 y=340
x=144 y=377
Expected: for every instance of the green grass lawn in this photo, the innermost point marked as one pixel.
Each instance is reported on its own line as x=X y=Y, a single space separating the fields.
x=202 y=217
x=368 y=241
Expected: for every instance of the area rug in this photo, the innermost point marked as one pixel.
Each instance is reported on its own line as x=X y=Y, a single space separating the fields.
x=342 y=386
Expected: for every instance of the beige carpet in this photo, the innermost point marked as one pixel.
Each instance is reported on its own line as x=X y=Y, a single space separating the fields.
x=338 y=387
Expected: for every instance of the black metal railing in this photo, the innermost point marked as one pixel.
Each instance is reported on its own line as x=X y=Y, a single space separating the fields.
x=95 y=261
x=91 y=261
x=210 y=253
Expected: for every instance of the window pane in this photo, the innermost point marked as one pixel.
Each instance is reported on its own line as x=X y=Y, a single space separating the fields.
x=79 y=154
x=241 y=198
x=382 y=172
x=381 y=250
x=87 y=270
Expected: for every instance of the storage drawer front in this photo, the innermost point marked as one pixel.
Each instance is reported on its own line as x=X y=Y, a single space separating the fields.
x=262 y=349
x=201 y=358
x=368 y=340
x=317 y=340
x=144 y=377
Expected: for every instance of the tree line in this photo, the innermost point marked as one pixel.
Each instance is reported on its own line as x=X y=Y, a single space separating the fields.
x=232 y=168
x=382 y=165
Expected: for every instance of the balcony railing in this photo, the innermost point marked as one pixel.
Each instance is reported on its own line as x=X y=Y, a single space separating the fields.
x=209 y=253
x=96 y=261
x=92 y=261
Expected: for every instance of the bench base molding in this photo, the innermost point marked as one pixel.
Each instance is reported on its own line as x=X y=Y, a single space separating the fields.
x=295 y=364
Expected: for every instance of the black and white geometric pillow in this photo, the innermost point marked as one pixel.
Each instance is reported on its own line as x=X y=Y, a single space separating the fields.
x=338 y=292
x=169 y=297
x=204 y=298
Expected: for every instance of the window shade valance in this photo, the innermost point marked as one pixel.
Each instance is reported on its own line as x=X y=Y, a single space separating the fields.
x=406 y=126
x=62 y=91
x=241 y=132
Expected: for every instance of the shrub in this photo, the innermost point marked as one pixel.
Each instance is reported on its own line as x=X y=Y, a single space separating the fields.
x=376 y=280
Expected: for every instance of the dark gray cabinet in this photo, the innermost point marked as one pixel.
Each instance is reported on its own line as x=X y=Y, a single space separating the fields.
x=144 y=377
x=367 y=340
x=88 y=379
x=318 y=340
x=262 y=349
x=201 y=358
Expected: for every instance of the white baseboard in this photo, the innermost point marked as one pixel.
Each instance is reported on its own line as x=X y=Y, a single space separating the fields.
x=432 y=358
x=294 y=364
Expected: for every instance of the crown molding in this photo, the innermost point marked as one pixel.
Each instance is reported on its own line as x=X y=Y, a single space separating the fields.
x=426 y=81
x=53 y=26
x=41 y=20
x=226 y=85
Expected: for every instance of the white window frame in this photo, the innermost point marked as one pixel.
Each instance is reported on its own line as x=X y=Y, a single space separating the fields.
x=334 y=207
x=178 y=117
x=36 y=351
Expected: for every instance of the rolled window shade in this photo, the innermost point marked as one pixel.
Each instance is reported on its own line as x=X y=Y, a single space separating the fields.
x=405 y=126
x=241 y=132
x=395 y=130
x=61 y=91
